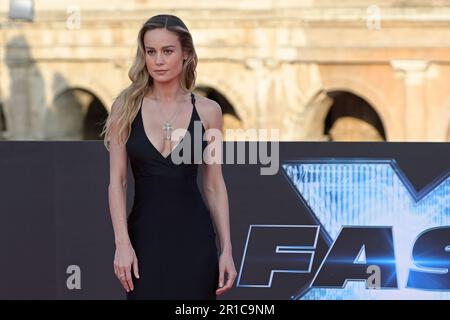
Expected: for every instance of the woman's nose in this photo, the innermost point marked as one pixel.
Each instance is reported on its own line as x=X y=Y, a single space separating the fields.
x=159 y=58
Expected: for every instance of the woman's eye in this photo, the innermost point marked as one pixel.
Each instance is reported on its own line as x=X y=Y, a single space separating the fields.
x=151 y=52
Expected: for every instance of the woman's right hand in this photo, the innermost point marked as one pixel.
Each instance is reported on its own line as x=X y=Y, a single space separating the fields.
x=125 y=259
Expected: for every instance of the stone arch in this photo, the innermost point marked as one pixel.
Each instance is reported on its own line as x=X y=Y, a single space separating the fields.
x=351 y=118
x=243 y=111
x=75 y=114
x=316 y=116
x=96 y=88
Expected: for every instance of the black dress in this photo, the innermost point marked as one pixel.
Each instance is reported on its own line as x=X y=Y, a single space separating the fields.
x=169 y=225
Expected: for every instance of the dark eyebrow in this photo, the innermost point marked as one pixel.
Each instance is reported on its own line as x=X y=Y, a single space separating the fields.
x=165 y=47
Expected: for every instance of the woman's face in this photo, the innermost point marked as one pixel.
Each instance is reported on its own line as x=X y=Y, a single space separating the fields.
x=163 y=52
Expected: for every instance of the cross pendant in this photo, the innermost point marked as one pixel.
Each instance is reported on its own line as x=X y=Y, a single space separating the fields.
x=168 y=130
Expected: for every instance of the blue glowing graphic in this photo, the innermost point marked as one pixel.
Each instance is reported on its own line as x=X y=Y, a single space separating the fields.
x=354 y=192
x=361 y=258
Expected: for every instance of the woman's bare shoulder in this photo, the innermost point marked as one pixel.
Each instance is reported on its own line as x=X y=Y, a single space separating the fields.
x=117 y=104
x=208 y=110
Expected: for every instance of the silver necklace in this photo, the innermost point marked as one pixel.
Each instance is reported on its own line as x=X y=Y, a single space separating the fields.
x=168 y=127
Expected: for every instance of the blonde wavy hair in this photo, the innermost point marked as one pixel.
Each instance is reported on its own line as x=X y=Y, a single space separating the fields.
x=131 y=96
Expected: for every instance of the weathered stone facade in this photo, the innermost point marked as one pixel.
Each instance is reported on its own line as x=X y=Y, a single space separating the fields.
x=316 y=70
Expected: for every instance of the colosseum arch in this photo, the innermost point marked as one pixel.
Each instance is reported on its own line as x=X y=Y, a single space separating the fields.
x=351 y=118
x=75 y=114
x=235 y=97
x=317 y=110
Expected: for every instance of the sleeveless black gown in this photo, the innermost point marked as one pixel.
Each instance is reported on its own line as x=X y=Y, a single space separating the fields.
x=169 y=225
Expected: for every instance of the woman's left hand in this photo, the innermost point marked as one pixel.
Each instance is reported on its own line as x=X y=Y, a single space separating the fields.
x=226 y=266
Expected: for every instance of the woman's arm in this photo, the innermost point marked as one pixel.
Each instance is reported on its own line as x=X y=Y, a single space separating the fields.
x=217 y=199
x=125 y=256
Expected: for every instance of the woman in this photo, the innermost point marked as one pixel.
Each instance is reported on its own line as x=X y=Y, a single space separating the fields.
x=166 y=248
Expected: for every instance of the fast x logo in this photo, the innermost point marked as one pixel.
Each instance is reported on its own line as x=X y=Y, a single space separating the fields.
x=372 y=218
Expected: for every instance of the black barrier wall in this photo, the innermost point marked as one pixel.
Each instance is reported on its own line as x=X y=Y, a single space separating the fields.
x=54 y=212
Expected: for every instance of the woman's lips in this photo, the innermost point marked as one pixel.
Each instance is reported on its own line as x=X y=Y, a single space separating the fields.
x=160 y=72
